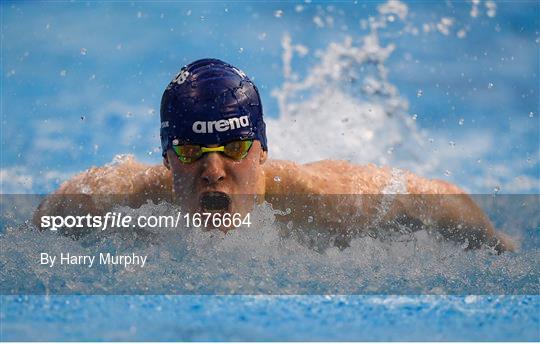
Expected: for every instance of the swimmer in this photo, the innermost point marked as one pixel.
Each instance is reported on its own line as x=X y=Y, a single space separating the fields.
x=215 y=159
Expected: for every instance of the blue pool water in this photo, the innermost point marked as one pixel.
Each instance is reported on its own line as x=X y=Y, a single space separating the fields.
x=247 y=318
x=429 y=86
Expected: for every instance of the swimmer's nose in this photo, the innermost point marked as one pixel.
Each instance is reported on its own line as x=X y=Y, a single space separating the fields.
x=213 y=169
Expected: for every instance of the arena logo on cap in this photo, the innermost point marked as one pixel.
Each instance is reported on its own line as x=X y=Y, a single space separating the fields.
x=203 y=127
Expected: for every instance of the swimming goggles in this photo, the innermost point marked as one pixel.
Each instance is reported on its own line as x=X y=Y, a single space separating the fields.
x=236 y=150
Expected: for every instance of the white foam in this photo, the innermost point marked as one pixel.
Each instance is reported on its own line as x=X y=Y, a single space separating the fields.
x=265 y=259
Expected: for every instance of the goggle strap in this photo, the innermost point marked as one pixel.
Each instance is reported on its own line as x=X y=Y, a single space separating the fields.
x=212 y=149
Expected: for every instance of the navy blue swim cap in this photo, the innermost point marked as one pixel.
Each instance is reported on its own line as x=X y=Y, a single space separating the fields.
x=211 y=102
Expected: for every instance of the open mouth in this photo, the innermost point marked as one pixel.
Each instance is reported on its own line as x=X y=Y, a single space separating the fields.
x=215 y=202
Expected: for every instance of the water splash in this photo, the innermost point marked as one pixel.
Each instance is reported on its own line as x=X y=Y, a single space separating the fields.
x=346 y=107
x=351 y=82
x=266 y=258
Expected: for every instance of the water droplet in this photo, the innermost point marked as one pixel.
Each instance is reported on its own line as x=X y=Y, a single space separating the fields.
x=289 y=225
x=390 y=150
x=139 y=14
x=318 y=21
x=188 y=13
x=496 y=189
x=310 y=219
x=431 y=140
x=479 y=161
x=129 y=114
x=490 y=85
x=452 y=144
x=63 y=72
x=277 y=179
x=414 y=117
x=419 y=93
x=531 y=114
x=447 y=173
x=82 y=118
x=83 y=51
x=241 y=50
x=278 y=13
x=262 y=36
x=288 y=210
x=344 y=120
x=47 y=27
x=461 y=121
x=470 y=298
x=529 y=160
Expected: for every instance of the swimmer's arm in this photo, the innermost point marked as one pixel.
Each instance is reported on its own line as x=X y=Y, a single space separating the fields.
x=355 y=194
x=99 y=189
x=451 y=211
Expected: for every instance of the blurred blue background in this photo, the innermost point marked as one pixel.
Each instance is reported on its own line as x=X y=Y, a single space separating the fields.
x=82 y=81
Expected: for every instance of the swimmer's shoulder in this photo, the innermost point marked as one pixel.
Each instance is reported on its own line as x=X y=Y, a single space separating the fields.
x=328 y=165
x=132 y=183
x=281 y=177
x=324 y=177
x=339 y=176
x=124 y=176
x=372 y=178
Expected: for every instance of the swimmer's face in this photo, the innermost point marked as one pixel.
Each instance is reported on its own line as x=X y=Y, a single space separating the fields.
x=217 y=183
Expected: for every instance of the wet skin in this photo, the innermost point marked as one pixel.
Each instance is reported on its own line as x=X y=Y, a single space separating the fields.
x=337 y=194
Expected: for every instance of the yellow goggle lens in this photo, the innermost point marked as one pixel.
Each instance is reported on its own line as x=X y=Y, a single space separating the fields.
x=188 y=153
x=238 y=150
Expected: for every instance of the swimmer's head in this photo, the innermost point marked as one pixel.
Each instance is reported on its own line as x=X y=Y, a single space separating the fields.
x=213 y=138
x=211 y=102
